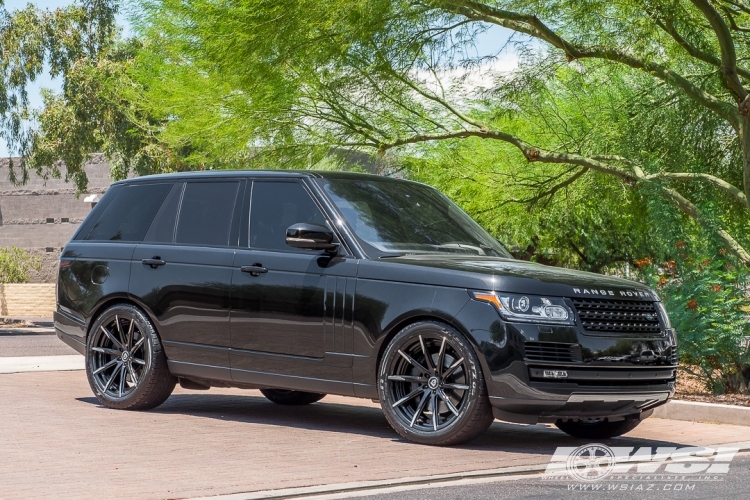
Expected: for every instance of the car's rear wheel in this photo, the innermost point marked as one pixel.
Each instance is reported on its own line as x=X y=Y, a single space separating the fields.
x=431 y=386
x=288 y=397
x=125 y=363
x=598 y=428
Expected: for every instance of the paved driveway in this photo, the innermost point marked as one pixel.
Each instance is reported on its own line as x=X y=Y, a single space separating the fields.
x=56 y=441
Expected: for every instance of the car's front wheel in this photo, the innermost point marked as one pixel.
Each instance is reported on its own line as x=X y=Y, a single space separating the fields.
x=125 y=364
x=598 y=428
x=431 y=386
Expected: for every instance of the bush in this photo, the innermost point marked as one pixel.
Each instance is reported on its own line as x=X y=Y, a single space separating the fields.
x=708 y=305
x=16 y=264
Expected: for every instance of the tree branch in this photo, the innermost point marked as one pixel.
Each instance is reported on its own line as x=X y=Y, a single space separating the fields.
x=549 y=193
x=690 y=209
x=669 y=28
x=637 y=175
x=721 y=183
x=532 y=26
x=726 y=45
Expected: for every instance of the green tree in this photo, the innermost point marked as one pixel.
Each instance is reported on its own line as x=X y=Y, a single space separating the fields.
x=228 y=78
x=79 y=44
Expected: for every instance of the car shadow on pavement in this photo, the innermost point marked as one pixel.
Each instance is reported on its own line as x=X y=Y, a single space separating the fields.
x=368 y=421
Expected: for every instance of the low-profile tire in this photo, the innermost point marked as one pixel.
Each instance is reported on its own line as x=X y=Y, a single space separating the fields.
x=598 y=429
x=293 y=398
x=431 y=365
x=125 y=363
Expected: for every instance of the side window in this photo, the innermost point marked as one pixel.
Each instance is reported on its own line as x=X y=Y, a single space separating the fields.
x=206 y=213
x=162 y=229
x=274 y=207
x=129 y=215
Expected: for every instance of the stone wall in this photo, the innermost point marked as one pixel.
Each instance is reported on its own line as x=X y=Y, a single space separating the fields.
x=27 y=300
x=42 y=215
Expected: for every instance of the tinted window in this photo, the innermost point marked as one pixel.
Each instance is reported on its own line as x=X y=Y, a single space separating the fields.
x=276 y=206
x=399 y=216
x=162 y=229
x=206 y=213
x=129 y=215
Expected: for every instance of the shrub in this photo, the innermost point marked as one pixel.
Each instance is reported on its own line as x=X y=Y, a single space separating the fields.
x=16 y=264
x=707 y=303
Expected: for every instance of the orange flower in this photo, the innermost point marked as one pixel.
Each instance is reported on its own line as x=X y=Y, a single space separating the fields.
x=706 y=262
x=680 y=244
x=692 y=304
x=722 y=251
x=715 y=288
x=662 y=281
x=643 y=262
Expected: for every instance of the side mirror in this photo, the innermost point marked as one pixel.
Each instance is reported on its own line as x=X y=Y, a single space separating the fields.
x=311 y=237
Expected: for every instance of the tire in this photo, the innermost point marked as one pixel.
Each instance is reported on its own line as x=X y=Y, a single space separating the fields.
x=125 y=363
x=600 y=429
x=293 y=398
x=429 y=364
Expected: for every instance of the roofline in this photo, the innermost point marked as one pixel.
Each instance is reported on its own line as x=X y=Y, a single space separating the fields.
x=290 y=174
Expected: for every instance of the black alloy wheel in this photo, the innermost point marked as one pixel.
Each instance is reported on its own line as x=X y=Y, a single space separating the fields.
x=431 y=386
x=125 y=364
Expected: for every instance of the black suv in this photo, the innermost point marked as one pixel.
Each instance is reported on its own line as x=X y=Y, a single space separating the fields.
x=302 y=284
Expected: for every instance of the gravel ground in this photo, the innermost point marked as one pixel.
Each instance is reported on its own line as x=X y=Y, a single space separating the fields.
x=690 y=389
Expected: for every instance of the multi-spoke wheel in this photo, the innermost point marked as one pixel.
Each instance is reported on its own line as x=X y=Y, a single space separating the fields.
x=431 y=386
x=125 y=364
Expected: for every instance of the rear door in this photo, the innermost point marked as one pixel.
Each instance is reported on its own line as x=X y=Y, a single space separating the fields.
x=182 y=273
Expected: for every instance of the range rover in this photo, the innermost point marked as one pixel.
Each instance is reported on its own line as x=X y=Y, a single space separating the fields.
x=303 y=284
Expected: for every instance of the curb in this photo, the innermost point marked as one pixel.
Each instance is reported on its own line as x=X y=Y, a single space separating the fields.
x=694 y=411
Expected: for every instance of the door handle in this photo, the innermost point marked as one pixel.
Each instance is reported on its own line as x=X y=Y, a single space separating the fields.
x=154 y=263
x=254 y=270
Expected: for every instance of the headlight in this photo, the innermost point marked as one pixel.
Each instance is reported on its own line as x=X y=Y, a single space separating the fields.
x=529 y=308
x=663 y=314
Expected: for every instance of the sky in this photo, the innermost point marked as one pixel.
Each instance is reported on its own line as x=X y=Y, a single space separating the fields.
x=489 y=42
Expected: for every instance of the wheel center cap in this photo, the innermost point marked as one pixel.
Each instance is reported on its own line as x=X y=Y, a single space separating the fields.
x=433 y=383
x=125 y=356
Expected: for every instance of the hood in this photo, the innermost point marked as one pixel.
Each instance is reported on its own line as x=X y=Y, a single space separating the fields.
x=503 y=275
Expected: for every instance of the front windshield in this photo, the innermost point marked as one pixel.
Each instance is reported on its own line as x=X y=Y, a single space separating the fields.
x=397 y=217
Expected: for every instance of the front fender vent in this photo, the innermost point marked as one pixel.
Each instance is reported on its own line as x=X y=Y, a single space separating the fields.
x=553 y=352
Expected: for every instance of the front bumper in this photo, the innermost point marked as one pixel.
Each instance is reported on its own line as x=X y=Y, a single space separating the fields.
x=598 y=377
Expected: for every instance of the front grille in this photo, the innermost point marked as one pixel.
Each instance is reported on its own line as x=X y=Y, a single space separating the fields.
x=553 y=351
x=617 y=316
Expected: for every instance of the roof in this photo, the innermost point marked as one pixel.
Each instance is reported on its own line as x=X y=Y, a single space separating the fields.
x=211 y=174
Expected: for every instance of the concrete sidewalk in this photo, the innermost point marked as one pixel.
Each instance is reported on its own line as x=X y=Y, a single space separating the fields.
x=58 y=441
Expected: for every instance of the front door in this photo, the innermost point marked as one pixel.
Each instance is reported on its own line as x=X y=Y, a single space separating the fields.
x=291 y=308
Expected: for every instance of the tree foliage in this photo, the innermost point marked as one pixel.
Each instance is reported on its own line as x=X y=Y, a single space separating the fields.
x=288 y=75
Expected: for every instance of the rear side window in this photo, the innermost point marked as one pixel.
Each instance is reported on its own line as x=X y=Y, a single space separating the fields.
x=129 y=215
x=162 y=229
x=206 y=213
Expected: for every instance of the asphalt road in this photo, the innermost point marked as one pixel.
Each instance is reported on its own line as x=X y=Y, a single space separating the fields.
x=736 y=485
x=32 y=342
